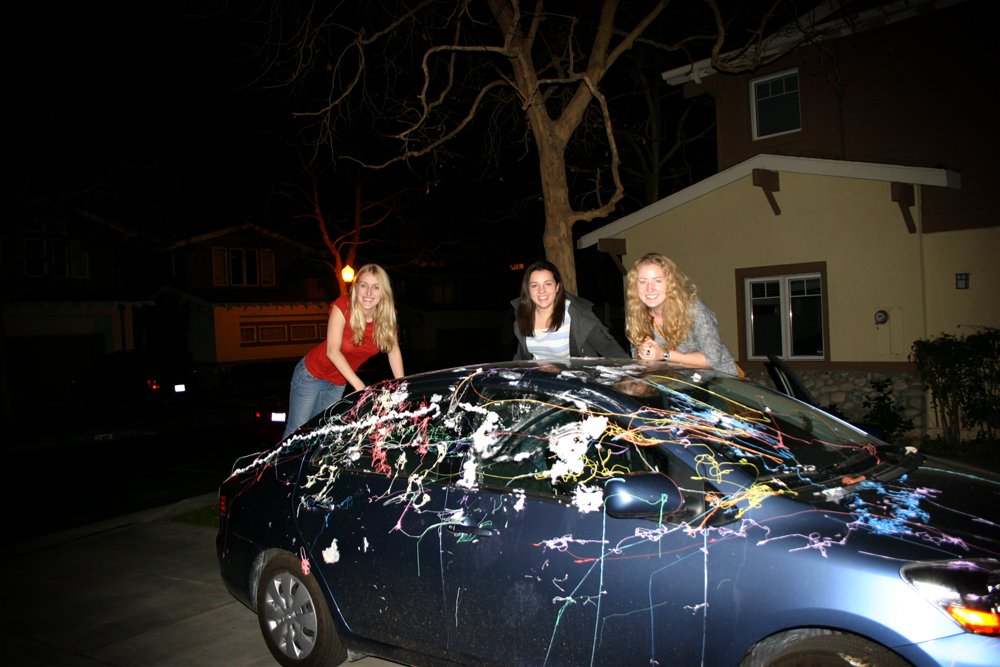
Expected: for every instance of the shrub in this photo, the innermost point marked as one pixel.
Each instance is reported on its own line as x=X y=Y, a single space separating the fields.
x=883 y=411
x=963 y=373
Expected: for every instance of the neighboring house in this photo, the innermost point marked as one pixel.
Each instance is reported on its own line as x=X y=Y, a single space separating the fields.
x=73 y=284
x=255 y=295
x=252 y=295
x=848 y=219
x=453 y=315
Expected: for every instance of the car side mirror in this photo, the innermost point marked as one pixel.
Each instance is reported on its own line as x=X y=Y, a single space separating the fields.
x=642 y=495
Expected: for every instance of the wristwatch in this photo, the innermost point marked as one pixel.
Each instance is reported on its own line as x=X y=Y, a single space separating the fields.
x=666 y=355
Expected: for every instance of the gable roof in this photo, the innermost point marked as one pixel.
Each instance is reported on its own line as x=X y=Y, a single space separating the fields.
x=823 y=27
x=868 y=171
x=248 y=226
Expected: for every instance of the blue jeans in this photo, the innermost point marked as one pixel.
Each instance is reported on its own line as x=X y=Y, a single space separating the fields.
x=308 y=397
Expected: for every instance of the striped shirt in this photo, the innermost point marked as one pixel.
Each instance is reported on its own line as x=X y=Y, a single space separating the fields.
x=550 y=344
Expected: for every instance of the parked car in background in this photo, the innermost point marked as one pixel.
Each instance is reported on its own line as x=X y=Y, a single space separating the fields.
x=271 y=413
x=270 y=417
x=595 y=512
x=137 y=379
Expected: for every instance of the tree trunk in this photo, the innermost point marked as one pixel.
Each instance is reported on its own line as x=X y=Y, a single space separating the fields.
x=559 y=215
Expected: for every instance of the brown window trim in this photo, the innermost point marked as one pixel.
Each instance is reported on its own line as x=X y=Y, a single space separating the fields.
x=780 y=270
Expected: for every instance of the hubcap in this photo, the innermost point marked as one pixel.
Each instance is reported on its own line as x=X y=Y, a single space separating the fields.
x=290 y=615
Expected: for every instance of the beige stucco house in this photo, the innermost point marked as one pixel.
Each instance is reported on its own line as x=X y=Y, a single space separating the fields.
x=856 y=209
x=833 y=252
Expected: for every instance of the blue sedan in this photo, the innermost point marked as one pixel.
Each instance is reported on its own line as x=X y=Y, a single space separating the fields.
x=591 y=512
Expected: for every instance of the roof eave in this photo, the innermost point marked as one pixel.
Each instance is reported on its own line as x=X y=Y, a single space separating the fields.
x=781 y=163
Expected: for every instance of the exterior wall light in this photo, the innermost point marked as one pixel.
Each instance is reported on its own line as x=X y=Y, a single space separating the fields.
x=347 y=274
x=961 y=281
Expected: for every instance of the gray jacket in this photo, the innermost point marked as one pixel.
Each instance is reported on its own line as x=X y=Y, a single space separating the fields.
x=705 y=338
x=587 y=336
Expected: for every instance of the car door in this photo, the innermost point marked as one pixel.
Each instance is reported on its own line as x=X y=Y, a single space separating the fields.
x=537 y=574
x=369 y=509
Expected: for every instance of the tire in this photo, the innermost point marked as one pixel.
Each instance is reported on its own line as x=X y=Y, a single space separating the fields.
x=837 y=651
x=294 y=618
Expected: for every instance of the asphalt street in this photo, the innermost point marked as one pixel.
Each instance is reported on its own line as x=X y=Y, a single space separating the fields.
x=94 y=571
x=132 y=591
x=82 y=468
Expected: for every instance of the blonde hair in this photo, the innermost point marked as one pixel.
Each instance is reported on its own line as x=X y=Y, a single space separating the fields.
x=384 y=323
x=680 y=293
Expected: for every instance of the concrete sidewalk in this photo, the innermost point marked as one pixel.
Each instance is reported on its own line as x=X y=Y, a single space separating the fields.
x=138 y=590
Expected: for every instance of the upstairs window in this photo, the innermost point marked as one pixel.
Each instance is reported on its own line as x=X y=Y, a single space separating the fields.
x=444 y=289
x=774 y=104
x=55 y=257
x=242 y=267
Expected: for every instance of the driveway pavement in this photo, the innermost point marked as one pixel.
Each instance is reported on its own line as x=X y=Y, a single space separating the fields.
x=138 y=590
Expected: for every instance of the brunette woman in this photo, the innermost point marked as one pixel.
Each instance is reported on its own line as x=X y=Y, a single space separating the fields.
x=552 y=324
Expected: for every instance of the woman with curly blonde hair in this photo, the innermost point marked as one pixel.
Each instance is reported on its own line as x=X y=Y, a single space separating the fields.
x=665 y=319
x=359 y=328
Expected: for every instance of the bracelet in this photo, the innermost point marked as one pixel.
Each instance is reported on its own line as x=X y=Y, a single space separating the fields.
x=666 y=355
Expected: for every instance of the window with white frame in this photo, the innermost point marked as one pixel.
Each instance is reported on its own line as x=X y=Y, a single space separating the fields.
x=785 y=316
x=774 y=104
x=254 y=334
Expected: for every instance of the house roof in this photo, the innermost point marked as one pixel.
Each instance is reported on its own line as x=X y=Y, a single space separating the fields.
x=823 y=27
x=240 y=298
x=868 y=171
x=248 y=226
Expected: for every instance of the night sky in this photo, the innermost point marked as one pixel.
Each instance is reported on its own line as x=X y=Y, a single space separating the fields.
x=151 y=107
x=159 y=114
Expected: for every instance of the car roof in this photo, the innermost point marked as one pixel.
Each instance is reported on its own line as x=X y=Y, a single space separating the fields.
x=604 y=372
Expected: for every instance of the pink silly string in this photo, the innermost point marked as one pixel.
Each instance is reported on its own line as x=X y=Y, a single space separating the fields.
x=305 y=562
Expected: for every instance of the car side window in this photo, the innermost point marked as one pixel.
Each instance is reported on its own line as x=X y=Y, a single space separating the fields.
x=390 y=432
x=537 y=445
x=497 y=449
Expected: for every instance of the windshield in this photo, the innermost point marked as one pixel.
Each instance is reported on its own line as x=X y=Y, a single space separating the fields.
x=750 y=425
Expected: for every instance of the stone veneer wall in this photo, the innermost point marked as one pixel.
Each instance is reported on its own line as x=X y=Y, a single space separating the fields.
x=847 y=390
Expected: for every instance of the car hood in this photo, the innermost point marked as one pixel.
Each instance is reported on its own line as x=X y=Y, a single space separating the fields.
x=946 y=505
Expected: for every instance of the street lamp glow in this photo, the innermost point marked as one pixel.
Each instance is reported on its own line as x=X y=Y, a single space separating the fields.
x=347 y=274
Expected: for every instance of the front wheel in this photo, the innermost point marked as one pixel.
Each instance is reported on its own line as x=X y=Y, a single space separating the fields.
x=294 y=618
x=836 y=651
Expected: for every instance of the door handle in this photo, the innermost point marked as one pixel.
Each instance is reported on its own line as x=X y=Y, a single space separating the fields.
x=471 y=530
